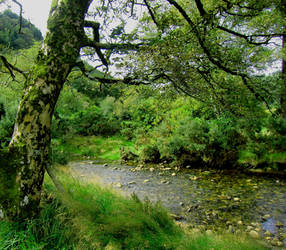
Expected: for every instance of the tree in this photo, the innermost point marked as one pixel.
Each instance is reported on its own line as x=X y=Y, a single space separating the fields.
x=207 y=49
x=24 y=162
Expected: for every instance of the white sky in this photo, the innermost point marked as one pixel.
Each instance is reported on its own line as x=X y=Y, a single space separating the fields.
x=36 y=11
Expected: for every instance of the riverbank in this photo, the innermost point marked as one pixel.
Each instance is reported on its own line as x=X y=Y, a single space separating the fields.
x=208 y=200
x=89 y=216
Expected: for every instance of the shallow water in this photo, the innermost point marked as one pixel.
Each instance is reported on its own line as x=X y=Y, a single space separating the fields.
x=216 y=200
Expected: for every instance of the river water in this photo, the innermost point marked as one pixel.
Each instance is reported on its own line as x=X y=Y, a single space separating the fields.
x=206 y=199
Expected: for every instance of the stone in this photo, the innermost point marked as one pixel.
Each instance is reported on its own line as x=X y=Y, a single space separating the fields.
x=174 y=174
x=152 y=169
x=279 y=243
x=105 y=165
x=266 y=216
x=182 y=204
x=253 y=234
x=209 y=232
x=274 y=242
x=267 y=233
x=165 y=182
x=239 y=222
x=193 y=178
x=279 y=224
x=118 y=185
x=196 y=230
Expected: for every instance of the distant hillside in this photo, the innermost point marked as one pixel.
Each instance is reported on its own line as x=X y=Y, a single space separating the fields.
x=9 y=31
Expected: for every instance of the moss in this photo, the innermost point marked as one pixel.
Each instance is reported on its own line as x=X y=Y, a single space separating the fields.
x=8 y=171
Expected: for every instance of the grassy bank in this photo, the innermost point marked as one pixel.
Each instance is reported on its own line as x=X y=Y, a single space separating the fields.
x=93 y=147
x=92 y=217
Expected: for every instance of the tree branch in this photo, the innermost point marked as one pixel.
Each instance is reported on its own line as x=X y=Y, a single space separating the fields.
x=151 y=12
x=20 y=15
x=112 y=46
x=213 y=59
x=11 y=67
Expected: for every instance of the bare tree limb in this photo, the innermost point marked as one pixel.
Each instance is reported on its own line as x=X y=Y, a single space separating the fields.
x=151 y=12
x=112 y=46
x=20 y=15
x=11 y=68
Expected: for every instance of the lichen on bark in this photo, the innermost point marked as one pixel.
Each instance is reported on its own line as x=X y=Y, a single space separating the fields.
x=22 y=171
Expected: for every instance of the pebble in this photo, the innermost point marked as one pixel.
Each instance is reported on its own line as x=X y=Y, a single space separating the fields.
x=165 y=182
x=209 y=232
x=193 y=178
x=152 y=169
x=279 y=224
x=266 y=216
x=279 y=243
x=267 y=233
x=253 y=234
x=118 y=185
x=174 y=174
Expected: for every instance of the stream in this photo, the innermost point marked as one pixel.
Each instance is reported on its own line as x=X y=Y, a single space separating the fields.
x=210 y=200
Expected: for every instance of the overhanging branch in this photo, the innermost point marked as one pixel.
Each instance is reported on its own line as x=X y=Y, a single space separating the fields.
x=11 y=68
x=112 y=46
x=20 y=15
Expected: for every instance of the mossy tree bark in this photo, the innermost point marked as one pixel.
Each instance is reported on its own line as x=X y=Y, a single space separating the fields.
x=22 y=166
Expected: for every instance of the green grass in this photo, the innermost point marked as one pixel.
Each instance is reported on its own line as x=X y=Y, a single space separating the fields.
x=94 y=147
x=92 y=217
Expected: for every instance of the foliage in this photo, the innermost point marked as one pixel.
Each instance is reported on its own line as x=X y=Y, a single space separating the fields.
x=75 y=147
x=9 y=31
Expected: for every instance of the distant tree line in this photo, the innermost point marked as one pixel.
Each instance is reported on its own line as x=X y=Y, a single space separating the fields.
x=13 y=37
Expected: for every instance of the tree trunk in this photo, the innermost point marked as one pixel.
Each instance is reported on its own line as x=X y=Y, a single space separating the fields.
x=283 y=79
x=22 y=166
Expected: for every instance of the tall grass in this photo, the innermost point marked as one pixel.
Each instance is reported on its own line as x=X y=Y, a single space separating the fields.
x=91 y=217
